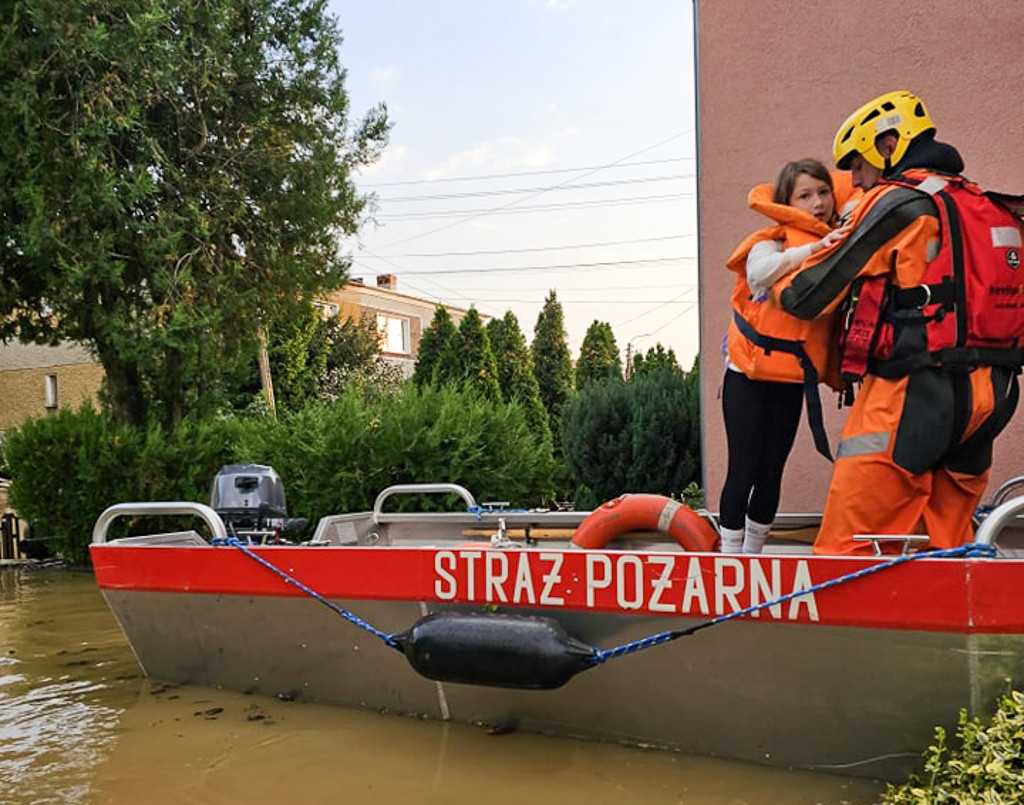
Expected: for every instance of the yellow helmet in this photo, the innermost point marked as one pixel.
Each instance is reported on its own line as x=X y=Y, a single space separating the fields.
x=902 y=112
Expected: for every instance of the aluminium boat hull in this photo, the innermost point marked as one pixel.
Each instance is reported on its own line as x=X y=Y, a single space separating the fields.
x=852 y=678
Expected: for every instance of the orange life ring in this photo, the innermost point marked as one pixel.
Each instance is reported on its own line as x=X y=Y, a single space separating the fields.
x=640 y=512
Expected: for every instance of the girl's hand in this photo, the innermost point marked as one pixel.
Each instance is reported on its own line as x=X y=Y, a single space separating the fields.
x=832 y=238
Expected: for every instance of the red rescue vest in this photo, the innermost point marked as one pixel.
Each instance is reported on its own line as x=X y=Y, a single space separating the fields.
x=967 y=311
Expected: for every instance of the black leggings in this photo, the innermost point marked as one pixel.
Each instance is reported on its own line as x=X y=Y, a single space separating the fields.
x=761 y=419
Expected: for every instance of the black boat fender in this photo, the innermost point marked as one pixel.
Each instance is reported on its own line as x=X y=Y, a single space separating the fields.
x=495 y=649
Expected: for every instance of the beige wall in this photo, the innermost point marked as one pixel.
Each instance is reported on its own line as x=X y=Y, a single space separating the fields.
x=355 y=299
x=776 y=78
x=23 y=369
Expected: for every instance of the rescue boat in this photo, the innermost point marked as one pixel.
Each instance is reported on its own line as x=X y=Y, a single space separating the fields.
x=573 y=623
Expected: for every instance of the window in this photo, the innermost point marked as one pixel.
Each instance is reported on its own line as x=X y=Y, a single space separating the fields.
x=393 y=332
x=50 y=391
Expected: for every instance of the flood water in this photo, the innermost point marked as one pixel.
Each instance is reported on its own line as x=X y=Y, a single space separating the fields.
x=80 y=724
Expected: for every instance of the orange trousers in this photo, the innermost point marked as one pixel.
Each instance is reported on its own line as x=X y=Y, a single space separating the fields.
x=915 y=457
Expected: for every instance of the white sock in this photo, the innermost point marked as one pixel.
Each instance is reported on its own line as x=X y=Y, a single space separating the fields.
x=755 y=535
x=732 y=540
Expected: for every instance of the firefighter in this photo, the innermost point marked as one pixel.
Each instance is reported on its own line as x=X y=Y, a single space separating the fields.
x=916 y=449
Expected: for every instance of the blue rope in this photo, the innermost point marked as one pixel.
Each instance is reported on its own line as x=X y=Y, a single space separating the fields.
x=603 y=655
x=389 y=640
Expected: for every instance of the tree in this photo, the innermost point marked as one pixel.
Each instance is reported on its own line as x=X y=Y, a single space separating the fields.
x=691 y=400
x=314 y=358
x=349 y=344
x=467 y=360
x=172 y=174
x=642 y=436
x=599 y=355
x=294 y=366
x=657 y=359
x=551 y=362
x=515 y=372
x=433 y=342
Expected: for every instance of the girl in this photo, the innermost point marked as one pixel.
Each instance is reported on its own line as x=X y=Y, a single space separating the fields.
x=763 y=389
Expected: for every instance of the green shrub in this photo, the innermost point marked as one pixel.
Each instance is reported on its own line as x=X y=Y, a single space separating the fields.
x=68 y=467
x=338 y=457
x=639 y=436
x=988 y=766
x=333 y=457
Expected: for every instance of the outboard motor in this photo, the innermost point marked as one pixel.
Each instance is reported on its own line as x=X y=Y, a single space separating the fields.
x=250 y=500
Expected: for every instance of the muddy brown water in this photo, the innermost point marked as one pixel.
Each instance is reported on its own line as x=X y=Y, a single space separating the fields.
x=80 y=724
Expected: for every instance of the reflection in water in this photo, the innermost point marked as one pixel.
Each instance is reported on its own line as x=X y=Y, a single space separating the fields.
x=65 y=678
x=78 y=724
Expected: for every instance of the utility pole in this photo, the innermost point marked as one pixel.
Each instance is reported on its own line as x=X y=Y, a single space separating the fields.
x=266 y=381
x=629 y=353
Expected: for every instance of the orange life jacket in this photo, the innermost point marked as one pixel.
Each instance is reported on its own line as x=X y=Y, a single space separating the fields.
x=756 y=356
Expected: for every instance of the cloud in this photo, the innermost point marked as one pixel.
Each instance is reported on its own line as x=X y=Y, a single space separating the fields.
x=383 y=77
x=505 y=154
x=559 y=5
x=536 y=157
x=471 y=157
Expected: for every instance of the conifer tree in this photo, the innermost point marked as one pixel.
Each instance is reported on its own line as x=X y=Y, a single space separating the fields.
x=515 y=372
x=433 y=342
x=552 y=364
x=467 y=360
x=692 y=399
x=657 y=359
x=599 y=355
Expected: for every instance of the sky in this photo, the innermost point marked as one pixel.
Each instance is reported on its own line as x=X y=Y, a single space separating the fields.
x=537 y=145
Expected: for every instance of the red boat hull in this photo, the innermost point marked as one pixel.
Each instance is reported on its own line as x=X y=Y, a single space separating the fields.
x=852 y=677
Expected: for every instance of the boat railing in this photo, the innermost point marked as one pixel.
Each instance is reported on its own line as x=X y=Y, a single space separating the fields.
x=158 y=508
x=475 y=513
x=1004 y=490
x=997 y=519
x=379 y=515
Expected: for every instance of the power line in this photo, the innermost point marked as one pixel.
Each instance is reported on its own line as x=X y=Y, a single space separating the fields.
x=518 y=201
x=657 y=307
x=660 y=302
x=534 y=248
x=513 y=190
x=564 y=267
x=597 y=289
x=485 y=177
x=506 y=210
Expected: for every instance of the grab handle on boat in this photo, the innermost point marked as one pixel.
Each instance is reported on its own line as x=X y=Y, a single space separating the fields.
x=417 y=489
x=1003 y=492
x=997 y=520
x=200 y=510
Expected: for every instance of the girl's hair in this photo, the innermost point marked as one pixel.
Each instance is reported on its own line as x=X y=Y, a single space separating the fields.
x=787 y=177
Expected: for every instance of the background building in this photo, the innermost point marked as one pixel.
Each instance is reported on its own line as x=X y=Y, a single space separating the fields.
x=400 y=319
x=774 y=80
x=36 y=379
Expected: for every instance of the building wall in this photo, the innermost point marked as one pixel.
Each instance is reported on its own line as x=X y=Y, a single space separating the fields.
x=24 y=367
x=356 y=299
x=775 y=80
x=23 y=371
